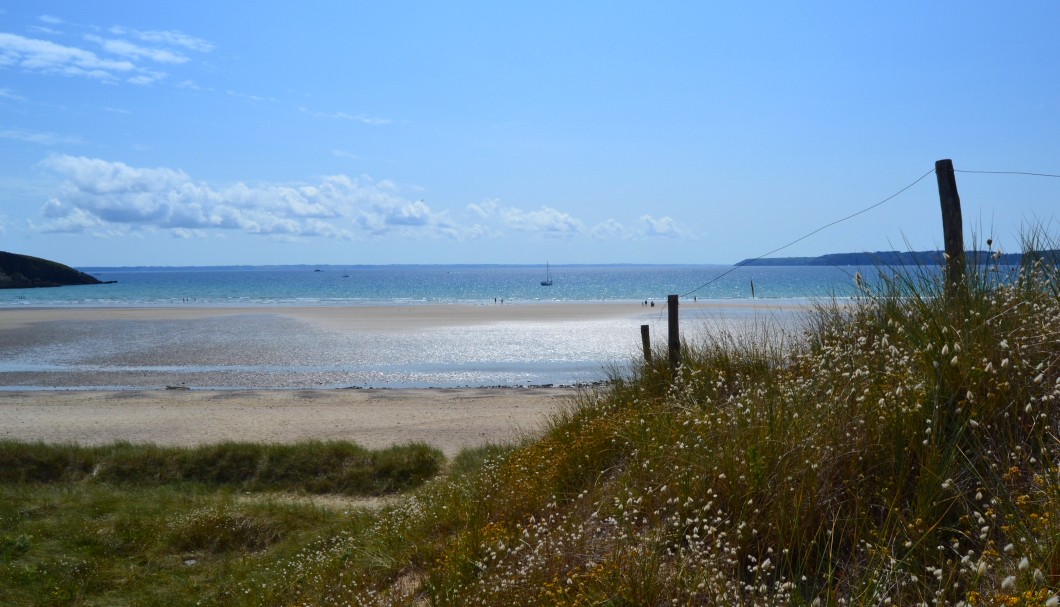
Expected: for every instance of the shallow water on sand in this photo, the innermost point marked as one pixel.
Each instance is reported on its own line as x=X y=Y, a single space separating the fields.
x=275 y=351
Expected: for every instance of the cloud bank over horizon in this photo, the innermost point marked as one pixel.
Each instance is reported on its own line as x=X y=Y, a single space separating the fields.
x=104 y=199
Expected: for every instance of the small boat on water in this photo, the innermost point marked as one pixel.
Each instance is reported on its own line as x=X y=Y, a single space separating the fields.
x=547 y=282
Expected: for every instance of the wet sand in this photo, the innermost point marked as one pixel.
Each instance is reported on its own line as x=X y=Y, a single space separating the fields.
x=450 y=419
x=400 y=317
x=441 y=346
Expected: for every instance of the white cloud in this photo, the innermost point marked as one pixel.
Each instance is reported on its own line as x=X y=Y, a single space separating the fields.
x=147 y=77
x=9 y=94
x=345 y=154
x=107 y=198
x=43 y=56
x=362 y=118
x=254 y=98
x=63 y=219
x=484 y=210
x=191 y=85
x=135 y=51
x=609 y=230
x=98 y=193
x=117 y=59
x=186 y=234
x=388 y=213
x=172 y=38
x=662 y=226
x=409 y=214
x=546 y=221
x=38 y=138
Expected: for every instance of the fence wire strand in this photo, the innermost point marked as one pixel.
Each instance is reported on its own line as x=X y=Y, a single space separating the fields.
x=1024 y=173
x=807 y=235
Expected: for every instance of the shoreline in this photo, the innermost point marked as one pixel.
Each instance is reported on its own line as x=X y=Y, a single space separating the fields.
x=331 y=347
x=409 y=317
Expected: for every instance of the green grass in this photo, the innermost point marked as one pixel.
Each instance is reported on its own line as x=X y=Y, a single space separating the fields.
x=144 y=525
x=313 y=467
x=94 y=544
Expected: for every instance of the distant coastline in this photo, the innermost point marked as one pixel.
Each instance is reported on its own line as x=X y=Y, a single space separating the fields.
x=895 y=258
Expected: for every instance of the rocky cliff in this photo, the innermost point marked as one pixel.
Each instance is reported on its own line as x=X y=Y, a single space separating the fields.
x=25 y=272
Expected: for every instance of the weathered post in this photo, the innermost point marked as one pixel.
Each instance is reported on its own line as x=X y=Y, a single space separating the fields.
x=674 y=335
x=645 y=341
x=952 y=228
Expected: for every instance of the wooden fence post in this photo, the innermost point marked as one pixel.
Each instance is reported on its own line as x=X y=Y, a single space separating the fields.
x=952 y=228
x=645 y=340
x=674 y=335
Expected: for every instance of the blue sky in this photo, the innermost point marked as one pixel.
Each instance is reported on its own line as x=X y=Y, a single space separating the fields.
x=202 y=133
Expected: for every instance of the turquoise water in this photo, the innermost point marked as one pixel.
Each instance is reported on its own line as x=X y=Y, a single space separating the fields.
x=395 y=285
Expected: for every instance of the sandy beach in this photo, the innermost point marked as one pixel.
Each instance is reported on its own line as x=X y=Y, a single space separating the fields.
x=450 y=419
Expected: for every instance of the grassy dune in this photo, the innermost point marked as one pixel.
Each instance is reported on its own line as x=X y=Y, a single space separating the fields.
x=904 y=449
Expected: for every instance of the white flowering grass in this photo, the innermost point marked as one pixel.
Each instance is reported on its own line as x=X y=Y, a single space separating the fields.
x=904 y=451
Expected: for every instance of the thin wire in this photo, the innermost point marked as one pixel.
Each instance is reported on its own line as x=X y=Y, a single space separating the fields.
x=804 y=237
x=1008 y=173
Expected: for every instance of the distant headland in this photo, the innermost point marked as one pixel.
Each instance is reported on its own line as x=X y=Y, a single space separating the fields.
x=25 y=272
x=896 y=258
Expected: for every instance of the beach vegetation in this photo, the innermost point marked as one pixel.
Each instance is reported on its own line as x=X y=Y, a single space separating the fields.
x=900 y=448
x=135 y=524
x=310 y=466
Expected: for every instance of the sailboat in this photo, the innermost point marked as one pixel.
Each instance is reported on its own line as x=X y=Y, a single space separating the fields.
x=547 y=282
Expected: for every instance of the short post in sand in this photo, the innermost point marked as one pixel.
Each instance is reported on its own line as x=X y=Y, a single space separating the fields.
x=645 y=342
x=952 y=228
x=674 y=335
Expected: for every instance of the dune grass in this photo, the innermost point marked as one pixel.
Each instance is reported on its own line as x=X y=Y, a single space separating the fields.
x=903 y=449
x=309 y=466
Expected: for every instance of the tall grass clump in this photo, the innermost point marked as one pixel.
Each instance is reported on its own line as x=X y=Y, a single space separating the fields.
x=308 y=466
x=903 y=448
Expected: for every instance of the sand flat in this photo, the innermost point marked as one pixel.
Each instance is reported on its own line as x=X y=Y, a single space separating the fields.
x=144 y=349
x=397 y=317
x=450 y=419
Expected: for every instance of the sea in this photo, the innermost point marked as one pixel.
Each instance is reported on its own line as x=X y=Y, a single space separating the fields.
x=331 y=285
x=261 y=349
